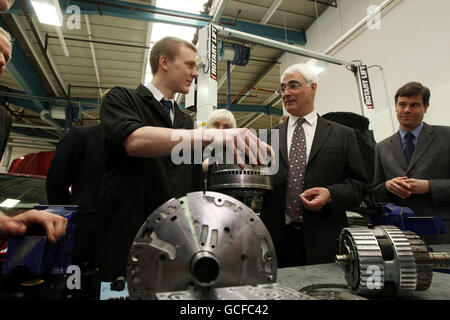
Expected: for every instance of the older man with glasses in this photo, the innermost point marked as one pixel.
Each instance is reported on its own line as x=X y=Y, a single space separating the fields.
x=320 y=175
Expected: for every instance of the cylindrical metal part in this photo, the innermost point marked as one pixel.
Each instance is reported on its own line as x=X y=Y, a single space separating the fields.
x=248 y=184
x=387 y=260
x=201 y=241
x=228 y=52
x=342 y=258
x=205 y=268
x=440 y=260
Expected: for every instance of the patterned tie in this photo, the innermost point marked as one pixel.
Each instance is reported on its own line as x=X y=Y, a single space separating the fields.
x=409 y=146
x=167 y=106
x=297 y=166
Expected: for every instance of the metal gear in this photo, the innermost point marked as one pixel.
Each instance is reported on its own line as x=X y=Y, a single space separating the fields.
x=400 y=258
x=422 y=259
x=202 y=241
x=360 y=255
x=405 y=265
x=248 y=184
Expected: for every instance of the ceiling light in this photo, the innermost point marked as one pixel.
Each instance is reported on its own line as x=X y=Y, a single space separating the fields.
x=48 y=12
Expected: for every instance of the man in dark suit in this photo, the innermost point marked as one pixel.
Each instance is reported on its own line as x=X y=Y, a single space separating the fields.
x=78 y=164
x=140 y=126
x=412 y=167
x=320 y=175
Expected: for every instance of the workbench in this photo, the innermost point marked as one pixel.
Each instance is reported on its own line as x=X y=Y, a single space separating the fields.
x=332 y=274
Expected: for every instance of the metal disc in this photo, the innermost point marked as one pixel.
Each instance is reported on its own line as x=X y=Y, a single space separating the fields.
x=202 y=240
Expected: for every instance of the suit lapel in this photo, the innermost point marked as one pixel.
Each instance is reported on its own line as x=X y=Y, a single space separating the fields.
x=423 y=143
x=322 y=131
x=397 y=150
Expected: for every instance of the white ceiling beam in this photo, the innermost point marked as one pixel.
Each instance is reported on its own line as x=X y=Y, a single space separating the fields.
x=148 y=38
x=39 y=62
x=255 y=117
x=62 y=41
x=271 y=98
x=223 y=78
x=146 y=58
x=258 y=81
x=244 y=119
x=269 y=13
x=94 y=59
x=219 y=11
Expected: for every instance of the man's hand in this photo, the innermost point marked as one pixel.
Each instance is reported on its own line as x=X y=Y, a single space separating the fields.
x=315 y=199
x=243 y=143
x=399 y=187
x=404 y=187
x=54 y=225
x=418 y=186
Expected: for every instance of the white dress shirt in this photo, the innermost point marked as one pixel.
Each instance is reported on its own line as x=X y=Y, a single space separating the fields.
x=309 y=126
x=159 y=96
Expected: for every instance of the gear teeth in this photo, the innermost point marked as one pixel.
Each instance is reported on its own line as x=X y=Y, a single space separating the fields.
x=405 y=259
x=411 y=268
x=369 y=255
x=422 y=259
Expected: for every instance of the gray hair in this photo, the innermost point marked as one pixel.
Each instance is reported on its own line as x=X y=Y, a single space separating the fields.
x=221 y=114
x=304 y=70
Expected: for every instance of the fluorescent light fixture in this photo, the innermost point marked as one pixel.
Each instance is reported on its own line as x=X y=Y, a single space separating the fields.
x=58 y=113
x=48 y=12
x=9 y=203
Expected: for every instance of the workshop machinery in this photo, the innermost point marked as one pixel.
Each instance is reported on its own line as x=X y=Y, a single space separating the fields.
x=201 y=241
x=384 y=260
x=35 y=268
x=248 y=184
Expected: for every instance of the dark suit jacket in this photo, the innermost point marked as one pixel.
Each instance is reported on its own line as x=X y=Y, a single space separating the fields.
x=79 y=161
x=430 y=161
x=134 y=187
x=334 y=163
x=5 y=127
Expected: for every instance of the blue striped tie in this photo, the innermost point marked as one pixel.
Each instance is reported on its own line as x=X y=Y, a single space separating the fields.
x=167 y=106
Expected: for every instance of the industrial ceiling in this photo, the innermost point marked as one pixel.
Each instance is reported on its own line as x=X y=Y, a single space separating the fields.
x=110 y=48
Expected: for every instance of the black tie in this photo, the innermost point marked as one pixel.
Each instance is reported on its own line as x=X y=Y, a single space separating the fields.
x=167 y=106
x=296 y=172
x=409 y=146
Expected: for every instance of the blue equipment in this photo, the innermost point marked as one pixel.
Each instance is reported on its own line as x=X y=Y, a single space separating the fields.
x=36 y=253
x=405 y=219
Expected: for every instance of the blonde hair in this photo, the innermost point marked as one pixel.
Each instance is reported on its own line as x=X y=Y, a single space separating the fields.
x=169 y=47
x=221 y=114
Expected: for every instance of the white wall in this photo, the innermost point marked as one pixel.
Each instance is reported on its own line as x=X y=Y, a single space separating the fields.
x=412 y=44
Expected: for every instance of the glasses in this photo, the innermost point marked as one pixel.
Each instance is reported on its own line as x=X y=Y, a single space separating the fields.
x=292 y=85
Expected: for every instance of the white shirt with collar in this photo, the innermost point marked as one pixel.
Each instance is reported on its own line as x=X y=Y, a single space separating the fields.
x=309 y=126
x=159 y=96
